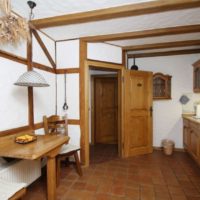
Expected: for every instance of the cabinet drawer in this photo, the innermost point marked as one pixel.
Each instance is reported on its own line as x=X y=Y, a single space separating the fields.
x=194 y=126
x=186 y=122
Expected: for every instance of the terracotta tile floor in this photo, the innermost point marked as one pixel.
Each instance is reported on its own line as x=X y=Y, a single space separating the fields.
x=148 y=177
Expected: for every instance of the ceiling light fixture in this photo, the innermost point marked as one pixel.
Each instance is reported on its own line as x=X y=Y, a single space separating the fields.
x=134 y=66
x=31 y=78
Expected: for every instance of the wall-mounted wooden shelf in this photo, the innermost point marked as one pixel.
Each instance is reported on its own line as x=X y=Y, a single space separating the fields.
x=161 y=86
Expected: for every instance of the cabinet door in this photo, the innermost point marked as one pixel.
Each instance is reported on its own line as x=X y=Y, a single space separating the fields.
x=194 y=143
x=161 y=86
x=196 y=79
x=186 y=137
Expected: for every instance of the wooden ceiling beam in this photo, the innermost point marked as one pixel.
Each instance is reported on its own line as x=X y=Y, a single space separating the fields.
x=144 y=33
x=162 y=45
x=67 y=70
x=166 y=53
x=116 y=12
x=45 y=50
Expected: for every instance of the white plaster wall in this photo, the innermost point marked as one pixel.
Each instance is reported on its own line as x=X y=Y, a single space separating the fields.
x=18 y=50
x=167 y=120
x=14 y=99
x=72 y=91
x=190 y=107
x=74 y=134
x=44 y=97
x=15 y=104
x=38 y=54
x=67 y=54
x=68 y=57
x=104 y=52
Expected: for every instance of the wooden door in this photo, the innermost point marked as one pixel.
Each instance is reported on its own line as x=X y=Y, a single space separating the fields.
x=186 y=137
x=186 y=134
x=194 y=143
x=138 y=112
x=106 y=110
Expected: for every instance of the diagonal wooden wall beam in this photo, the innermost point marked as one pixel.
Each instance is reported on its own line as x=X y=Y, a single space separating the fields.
x=162 y=45
x=45 y=50
x=24 y=61
x=116 y=12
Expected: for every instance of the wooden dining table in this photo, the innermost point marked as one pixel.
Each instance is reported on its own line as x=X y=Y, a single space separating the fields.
x=45 y=146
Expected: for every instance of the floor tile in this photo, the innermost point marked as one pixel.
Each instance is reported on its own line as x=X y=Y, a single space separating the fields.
x=147 y=177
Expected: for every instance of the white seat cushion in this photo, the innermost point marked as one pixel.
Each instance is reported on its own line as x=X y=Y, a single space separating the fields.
x=8 y=189
x=66 y=148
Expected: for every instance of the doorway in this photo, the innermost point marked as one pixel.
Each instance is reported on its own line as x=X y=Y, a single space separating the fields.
x=131 y=140
x=104 y=115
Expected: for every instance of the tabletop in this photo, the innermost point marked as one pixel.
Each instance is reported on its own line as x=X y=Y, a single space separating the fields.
x=33 y=150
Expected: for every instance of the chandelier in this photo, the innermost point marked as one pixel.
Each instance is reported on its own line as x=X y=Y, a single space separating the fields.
x=13 y=28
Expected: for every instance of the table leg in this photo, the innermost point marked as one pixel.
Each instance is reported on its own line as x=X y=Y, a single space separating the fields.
x=51 y=178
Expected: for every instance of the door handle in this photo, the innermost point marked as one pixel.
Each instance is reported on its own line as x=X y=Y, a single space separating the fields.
x=151 y=111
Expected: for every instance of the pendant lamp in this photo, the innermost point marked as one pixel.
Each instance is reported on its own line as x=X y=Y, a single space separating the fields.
x=134 y=66
x=31 y=78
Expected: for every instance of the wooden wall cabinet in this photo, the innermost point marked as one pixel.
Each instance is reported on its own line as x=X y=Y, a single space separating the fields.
x=191 y=138
x=161 y=86
x=196 y=77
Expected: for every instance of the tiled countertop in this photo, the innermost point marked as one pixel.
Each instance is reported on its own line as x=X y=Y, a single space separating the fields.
x=191 y=118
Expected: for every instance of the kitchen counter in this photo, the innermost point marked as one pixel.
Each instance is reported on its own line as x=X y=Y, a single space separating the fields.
x=191 y=118
x=191 y=136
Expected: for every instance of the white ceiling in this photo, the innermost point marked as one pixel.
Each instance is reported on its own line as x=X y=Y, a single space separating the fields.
x=50 y=8
x=126 y=24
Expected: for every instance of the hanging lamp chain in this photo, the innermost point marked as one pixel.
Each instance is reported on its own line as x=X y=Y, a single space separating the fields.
x=31 y=5
x=65 y=106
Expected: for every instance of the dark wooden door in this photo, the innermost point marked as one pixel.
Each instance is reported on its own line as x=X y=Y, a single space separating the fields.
x=106 y=110
x=138 y=113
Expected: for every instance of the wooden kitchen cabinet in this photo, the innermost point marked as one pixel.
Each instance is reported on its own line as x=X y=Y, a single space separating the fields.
x=191 y=138
x=161 y=86
x=196 y=77
x=186 y=134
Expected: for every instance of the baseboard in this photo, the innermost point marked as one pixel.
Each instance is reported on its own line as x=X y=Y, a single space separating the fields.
x=175 y=149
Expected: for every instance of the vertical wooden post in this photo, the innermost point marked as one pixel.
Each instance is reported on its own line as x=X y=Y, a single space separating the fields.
x=84 y=146
x=30 y=89
x=124 y=63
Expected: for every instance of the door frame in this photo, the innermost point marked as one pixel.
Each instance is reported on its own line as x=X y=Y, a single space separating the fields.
x=93 y=103
x=85 y=109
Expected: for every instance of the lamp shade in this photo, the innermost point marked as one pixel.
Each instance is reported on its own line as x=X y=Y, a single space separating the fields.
x=31 y=79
